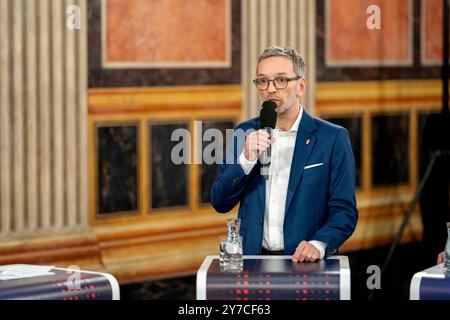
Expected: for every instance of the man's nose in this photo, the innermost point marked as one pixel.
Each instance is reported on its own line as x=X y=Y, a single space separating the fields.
x=271 y=87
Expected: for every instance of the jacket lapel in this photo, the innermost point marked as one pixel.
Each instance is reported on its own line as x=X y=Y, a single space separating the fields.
x=303 y=146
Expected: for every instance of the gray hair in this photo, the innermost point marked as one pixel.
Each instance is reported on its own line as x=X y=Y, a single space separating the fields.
x=278 y=51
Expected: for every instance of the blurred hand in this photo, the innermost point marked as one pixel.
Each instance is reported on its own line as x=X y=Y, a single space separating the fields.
x=305 y=252
x=255 y=143
x=440 y=258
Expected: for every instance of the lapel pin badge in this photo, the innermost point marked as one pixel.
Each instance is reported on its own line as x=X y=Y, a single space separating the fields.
x=308 y=141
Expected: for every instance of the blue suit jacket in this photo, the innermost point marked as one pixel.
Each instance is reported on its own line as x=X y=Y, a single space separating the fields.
x=320 y=202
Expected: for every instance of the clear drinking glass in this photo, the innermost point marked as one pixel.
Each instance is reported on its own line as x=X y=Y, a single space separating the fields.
x=224 y=256
x=233 y=252
x=231 y=247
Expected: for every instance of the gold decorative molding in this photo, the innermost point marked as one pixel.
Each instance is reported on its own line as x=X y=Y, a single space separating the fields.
x=160 y=99
x=386 y=96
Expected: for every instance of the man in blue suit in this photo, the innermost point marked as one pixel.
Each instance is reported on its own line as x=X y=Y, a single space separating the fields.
x=306 y=207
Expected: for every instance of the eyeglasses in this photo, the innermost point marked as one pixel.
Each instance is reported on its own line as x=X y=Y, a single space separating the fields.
x=280 y=83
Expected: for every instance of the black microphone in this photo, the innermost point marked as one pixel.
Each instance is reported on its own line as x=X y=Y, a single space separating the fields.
x=268 y=119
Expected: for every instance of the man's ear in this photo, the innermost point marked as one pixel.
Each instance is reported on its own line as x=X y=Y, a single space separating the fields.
x=301 y=87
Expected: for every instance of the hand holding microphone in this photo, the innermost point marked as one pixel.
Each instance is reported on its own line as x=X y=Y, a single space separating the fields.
x=257 y=144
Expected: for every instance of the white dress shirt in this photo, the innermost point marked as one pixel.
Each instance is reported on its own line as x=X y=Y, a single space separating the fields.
x=283 y=144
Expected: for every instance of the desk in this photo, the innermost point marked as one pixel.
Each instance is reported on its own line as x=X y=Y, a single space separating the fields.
x=92 y=286
x=275 y=278
x=430 y=284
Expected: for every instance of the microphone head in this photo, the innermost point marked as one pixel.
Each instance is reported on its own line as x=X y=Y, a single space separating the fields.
x=268 y=114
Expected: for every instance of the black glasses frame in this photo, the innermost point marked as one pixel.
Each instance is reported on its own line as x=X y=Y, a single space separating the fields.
x=255 y=81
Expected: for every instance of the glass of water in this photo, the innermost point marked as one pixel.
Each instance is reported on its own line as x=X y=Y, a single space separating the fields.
x=231 y=259
x=223 y=257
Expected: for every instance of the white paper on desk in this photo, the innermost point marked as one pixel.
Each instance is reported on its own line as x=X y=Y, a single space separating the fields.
x=22 y=271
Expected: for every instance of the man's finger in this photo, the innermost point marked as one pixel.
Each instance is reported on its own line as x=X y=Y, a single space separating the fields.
x=297 y=253
x=304 y=254
x=263 y=144
x=310 y=255
x=440 y=258
x=262 y=133
x=263 y=139
x=315 y=256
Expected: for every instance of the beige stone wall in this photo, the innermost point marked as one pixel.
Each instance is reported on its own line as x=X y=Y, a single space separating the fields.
x=43 y=117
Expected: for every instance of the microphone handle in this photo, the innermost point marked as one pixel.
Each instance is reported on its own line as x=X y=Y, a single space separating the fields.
x=265 y=157
x=269 y=149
